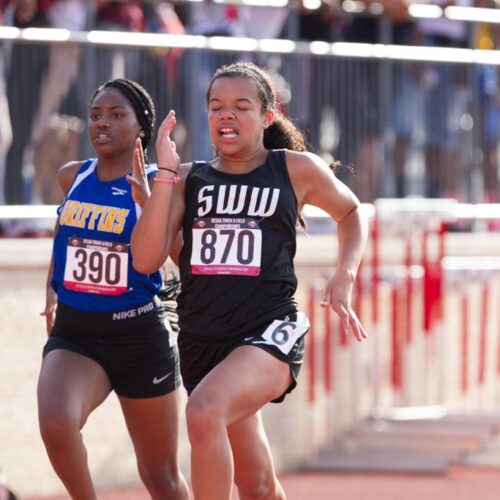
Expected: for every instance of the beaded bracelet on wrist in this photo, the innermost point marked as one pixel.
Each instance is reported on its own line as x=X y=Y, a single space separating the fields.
x=170 y=180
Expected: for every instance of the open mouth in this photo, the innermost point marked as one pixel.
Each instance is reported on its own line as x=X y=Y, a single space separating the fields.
x=228 y=133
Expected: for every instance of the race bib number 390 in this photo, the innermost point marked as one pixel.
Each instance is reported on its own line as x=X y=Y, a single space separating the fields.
x=226 y=246
x=94 y=266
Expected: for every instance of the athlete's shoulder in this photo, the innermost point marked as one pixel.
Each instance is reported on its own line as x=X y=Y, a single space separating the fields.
x=305 y=164
x=66 y=174
x=303 y=158
x=186 y=168
x=308 y=173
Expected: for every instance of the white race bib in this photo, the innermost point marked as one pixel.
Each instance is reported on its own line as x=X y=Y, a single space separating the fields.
x=224 y=245
x=284 y=334
x=94 y=266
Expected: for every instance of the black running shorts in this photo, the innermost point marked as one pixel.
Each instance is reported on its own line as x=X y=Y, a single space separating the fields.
x=283 y=339
x=133 y=346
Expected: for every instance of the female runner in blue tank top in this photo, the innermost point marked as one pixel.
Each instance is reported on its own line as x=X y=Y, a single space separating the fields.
x=110 y=332
x=241 y=338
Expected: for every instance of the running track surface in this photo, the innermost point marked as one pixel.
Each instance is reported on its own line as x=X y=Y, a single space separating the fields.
x=461 y=483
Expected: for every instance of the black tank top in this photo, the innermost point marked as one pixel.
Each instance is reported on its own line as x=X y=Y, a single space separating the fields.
x=236 y=264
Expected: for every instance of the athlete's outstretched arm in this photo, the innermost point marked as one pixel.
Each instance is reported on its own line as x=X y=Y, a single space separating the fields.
x=315 y=184
x=50 y=295
x=65 y=176
x=161 y=218
x=352 y=235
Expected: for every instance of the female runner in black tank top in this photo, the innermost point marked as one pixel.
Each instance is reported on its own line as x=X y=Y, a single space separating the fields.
x=241 y=339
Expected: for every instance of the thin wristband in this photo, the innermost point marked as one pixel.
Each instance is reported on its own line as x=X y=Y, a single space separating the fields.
x=171 y=180
x=168 y=170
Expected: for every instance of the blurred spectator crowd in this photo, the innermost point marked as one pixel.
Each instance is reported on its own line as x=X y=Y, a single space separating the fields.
x=368 y=114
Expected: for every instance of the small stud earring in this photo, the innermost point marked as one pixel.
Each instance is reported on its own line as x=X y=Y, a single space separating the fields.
x=141 y=134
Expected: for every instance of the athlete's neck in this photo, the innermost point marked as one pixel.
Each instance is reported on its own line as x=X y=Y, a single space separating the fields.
x=240 y=165
x=109 y=169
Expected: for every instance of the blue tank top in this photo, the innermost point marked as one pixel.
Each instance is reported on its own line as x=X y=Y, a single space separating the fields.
x=92 y=261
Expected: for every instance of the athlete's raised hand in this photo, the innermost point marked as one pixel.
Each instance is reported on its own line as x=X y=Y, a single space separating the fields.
x=139 y=180
x=165 y=147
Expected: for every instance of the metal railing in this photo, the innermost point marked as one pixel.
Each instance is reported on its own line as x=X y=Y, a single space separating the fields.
x=380 y=108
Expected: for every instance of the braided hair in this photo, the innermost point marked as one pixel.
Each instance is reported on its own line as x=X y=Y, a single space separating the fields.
x=141 y=102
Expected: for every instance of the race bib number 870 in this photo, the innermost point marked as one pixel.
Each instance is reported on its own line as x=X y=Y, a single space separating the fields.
x=226 y=246
x=94 y=266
